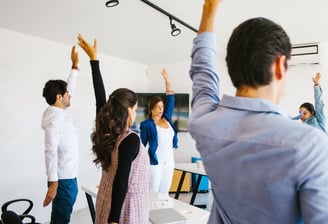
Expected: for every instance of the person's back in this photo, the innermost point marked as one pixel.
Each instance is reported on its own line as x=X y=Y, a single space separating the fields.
x=259 y=174
x=263 y=167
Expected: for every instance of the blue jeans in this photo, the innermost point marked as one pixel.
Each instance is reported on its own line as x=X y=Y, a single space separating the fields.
x=62 y=205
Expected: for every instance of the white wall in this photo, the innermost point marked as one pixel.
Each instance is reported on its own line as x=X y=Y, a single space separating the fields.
x=26 y=63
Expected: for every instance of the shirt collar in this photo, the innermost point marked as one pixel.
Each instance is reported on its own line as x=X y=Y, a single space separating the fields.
x=251 y=104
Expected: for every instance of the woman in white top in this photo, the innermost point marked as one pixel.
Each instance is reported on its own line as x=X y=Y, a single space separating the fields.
x=160 y=134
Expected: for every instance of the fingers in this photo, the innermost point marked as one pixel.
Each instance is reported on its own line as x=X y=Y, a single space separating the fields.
x=46 y=202
x=316 y=78
x=51 y=193
x=84 y=44
x=166 y=77
x=164 y=72
x=91 y=50
x=74 y=57
x=81 y=41
x=74 y=52
x=95 y=43
x=48 y=199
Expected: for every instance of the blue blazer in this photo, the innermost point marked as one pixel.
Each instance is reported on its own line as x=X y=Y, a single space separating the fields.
x=148 y=131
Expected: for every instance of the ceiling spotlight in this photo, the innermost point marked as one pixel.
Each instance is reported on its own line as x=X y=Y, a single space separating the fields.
x=112 y=3
x=175 y=31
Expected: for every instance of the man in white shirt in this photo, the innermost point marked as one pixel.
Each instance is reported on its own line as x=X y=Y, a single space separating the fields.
x=61 y=146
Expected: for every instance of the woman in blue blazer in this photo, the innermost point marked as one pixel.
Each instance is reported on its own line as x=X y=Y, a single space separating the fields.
x=160 y=135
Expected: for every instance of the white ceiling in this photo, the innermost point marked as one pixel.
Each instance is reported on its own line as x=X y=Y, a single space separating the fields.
x=134 y=31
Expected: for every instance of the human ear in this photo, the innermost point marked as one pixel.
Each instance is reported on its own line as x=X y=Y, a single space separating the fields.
x=59 y=96
x=280 y=67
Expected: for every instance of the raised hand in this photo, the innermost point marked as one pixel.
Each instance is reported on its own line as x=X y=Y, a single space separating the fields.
x=167 y=82
x=316 y=79
x=91 y=50
x=165 y=75
x=208 y=16
x=74 y=58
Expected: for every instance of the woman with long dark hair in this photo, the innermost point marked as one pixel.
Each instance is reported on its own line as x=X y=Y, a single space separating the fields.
x=124 y=189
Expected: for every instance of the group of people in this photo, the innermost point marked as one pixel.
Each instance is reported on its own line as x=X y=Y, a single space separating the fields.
x=128 y=171
x=263 y=166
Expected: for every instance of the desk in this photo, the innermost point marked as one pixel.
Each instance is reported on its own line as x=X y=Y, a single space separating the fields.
x=192 y=168
x=193 y=214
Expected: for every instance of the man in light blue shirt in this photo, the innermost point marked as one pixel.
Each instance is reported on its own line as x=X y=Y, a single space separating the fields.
x=263 y=166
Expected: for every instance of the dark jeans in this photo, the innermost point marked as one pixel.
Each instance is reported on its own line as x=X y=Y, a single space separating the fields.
x=62 y=205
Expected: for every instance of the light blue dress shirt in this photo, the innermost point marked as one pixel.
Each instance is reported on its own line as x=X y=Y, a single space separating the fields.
x=264 y=167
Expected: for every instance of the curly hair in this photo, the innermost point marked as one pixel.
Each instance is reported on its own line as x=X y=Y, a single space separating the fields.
x=111 y=122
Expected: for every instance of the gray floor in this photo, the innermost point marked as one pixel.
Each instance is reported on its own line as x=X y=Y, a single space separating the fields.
x=83 y=216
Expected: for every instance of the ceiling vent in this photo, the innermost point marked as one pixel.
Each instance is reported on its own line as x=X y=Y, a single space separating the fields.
x=309 y=53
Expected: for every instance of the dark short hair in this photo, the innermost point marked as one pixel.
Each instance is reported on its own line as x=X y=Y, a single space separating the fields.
x=309 y=107
x=252 y=48
x=52 y=88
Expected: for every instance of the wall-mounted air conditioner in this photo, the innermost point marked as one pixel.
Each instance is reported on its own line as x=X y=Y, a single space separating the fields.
x=309 y=53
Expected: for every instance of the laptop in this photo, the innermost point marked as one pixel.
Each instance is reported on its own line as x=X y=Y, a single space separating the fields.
x=166 y=216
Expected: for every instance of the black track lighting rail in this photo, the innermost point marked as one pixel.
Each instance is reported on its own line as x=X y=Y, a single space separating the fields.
x=169 y=15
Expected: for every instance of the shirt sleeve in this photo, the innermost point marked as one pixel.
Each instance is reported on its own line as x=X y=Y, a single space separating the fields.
x=128 y=150
x=319 y=106
x=52 y=131
x=98 y=85
x=71 y=81
x=206 y=85
x=169 y=106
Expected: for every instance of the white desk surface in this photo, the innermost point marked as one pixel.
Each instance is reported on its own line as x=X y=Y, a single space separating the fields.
x=195 y=168
x=194 y=214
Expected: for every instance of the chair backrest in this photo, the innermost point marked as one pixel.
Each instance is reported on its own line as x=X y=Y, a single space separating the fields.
x=10 y=217
x=5 y=206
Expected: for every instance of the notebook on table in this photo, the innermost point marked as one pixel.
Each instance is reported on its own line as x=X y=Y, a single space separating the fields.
x=166 y=216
